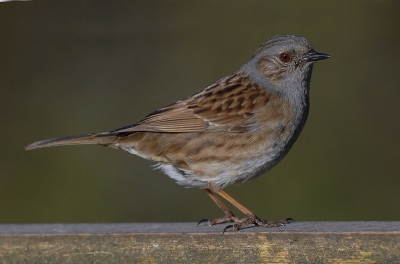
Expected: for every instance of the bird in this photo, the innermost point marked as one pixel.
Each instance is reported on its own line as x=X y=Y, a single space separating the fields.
x=230 y=132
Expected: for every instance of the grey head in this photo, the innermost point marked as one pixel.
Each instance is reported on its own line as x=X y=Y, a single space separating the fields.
x=283 y=64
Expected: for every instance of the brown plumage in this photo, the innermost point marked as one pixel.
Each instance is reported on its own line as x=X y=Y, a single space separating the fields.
x=232 y=131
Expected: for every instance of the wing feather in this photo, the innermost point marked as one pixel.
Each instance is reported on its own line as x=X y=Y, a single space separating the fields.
x=229 y=105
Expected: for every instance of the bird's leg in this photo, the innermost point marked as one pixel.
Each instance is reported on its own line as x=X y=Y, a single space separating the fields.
x=251 y=219
x=228 y=217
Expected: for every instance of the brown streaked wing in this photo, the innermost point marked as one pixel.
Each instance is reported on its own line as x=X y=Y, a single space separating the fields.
x=229 y=105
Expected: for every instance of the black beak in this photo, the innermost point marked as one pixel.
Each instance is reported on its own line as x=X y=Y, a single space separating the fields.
x=312 y=55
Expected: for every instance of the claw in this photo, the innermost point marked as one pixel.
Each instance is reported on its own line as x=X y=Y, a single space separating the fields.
x=202 y=221
x=284 y=222
x=227 y=227
x=278 y=224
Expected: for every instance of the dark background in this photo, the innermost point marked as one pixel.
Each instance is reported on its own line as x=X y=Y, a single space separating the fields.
x=74 y=67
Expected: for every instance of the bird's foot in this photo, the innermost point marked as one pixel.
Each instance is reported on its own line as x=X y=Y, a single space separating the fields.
x=256 y=221
x=228 y=217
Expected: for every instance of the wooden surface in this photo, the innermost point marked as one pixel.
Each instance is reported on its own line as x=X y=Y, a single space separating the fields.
x=299 y=242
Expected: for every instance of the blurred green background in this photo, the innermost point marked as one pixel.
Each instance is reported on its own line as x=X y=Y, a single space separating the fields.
x=74 y=67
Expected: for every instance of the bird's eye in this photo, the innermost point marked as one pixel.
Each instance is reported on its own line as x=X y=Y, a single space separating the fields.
x=284 y=57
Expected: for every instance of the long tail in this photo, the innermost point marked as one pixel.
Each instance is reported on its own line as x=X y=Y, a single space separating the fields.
x=102 y=138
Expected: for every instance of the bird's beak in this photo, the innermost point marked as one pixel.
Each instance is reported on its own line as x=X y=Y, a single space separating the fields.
x=312 y=55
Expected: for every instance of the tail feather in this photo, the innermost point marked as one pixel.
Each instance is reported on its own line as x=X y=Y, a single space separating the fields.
x=103 y=138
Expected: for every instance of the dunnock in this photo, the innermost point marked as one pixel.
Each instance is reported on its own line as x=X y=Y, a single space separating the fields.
x=231 y=132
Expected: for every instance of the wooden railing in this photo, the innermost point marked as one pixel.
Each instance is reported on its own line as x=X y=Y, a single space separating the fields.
x=299 y=242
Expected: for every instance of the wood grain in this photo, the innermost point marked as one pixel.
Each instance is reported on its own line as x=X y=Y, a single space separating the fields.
x=300 y=242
